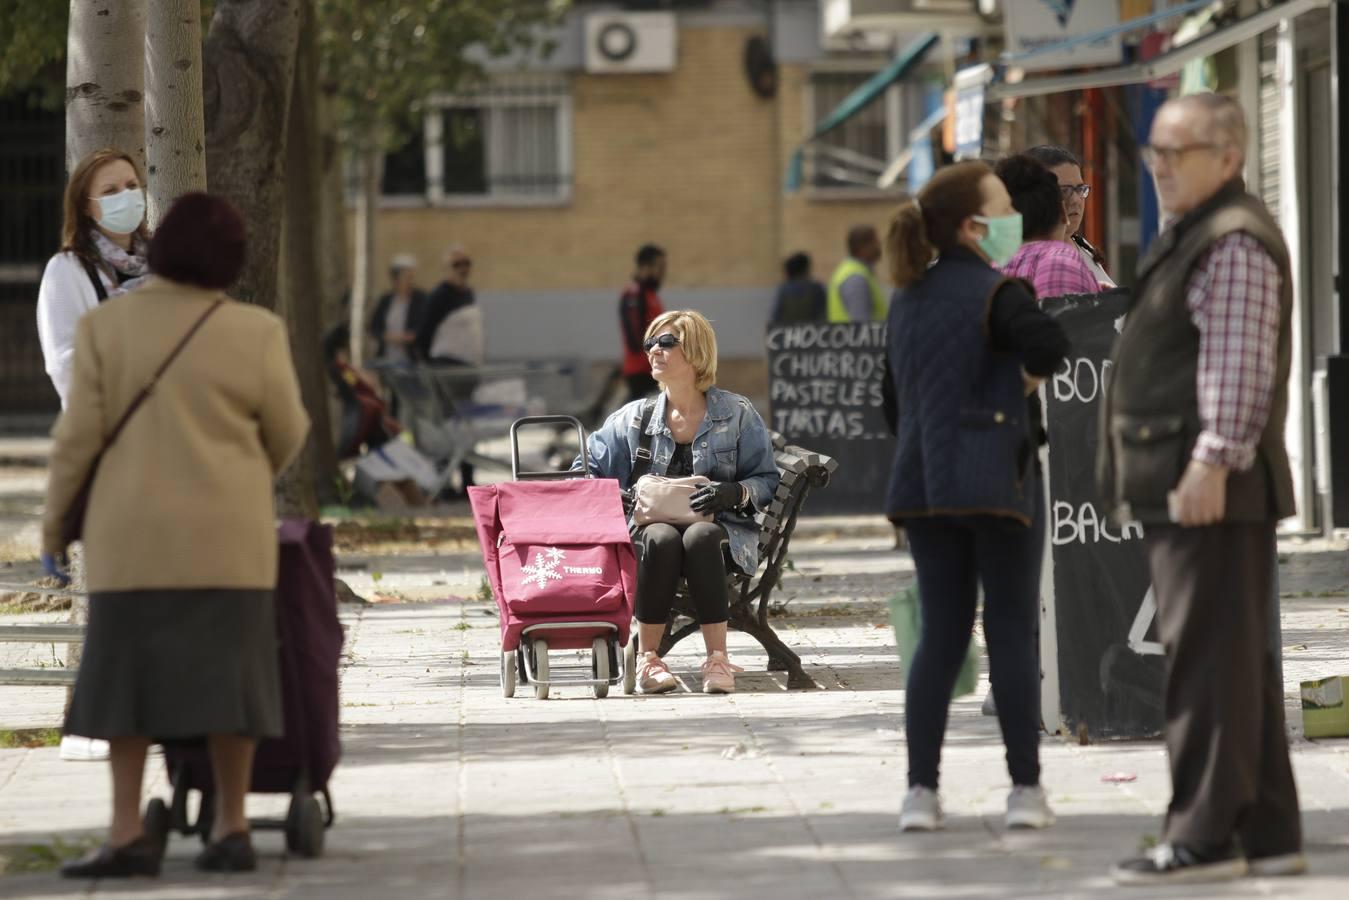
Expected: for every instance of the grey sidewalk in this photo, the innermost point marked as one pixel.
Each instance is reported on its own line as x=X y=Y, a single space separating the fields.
x=448 y=790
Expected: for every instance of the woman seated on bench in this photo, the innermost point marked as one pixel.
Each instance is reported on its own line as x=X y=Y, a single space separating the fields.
x=694 y=429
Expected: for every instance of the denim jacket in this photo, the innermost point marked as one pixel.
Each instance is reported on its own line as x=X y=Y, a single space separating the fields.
x=732 y=444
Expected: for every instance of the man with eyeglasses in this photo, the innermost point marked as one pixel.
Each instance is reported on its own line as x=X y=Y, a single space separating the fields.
x=1074 y=191
x=1192 y=447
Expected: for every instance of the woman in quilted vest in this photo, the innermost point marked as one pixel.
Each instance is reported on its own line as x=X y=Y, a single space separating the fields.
x=966 y=346
x=691 y=428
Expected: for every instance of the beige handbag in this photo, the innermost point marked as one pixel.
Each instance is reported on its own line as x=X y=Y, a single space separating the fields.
x=660 y=499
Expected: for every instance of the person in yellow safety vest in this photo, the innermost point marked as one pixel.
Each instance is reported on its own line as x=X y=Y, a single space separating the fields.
x=855 y=293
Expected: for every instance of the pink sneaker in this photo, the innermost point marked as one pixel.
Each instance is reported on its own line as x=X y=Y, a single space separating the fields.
x=653 y=675
x=719 y=674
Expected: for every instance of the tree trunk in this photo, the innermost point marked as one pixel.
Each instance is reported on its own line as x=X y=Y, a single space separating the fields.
x=175 y=134
x=363 y=288
x=247 y=79
x=303 y=278
x=248 y=72
x=105 y=79
x=336 y=258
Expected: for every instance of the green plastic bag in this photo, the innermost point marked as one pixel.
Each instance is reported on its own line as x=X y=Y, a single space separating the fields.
x=906 y=617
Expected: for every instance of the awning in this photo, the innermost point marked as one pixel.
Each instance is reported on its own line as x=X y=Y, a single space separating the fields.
x=1168 y=63
x=874 y=87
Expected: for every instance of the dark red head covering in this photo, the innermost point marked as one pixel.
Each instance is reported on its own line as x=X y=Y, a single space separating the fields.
x=200 y=242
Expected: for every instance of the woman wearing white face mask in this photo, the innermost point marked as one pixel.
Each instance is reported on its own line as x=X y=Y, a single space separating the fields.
x=103 y=243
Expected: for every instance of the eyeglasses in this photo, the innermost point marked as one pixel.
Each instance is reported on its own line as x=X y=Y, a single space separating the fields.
x=664 y=342
x=1082 y=190
x=1170 y=155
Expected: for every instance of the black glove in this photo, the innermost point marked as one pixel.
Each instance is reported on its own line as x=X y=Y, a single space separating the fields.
x=629 y=498
x=716 y=497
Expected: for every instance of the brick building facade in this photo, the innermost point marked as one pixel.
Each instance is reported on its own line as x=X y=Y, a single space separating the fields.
x=692 y=159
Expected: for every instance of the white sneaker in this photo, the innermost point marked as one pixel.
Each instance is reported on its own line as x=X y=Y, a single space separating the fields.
x=921 y=811
x=1028 y=807
x=83 y=749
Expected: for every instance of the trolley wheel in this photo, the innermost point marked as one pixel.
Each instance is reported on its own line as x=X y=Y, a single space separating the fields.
x=630 y=665
x=541 y=669
x=599 y=666
x=157 y=823
x=508 y=673
x=206 y=816
x=304 y=826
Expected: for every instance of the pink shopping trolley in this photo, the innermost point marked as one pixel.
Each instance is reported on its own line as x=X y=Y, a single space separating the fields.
x=562 y=569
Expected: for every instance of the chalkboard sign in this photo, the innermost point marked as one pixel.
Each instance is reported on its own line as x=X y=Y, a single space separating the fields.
x=824 y=385
x=1109 y=664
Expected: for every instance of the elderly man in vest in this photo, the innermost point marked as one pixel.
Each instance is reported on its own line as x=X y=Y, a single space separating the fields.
x=1192 y=447
x=855 y=293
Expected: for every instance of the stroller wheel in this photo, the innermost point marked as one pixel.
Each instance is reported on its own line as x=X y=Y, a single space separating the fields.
x=508 y=673
x=599 y=666
x=304 y=826
x=541 y=669
x=630 y=665
x=157 y=823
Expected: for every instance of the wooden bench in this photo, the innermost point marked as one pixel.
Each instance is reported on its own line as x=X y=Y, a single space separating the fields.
x=801 y=471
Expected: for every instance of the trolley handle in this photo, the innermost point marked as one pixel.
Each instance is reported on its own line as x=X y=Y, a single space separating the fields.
x=532 y=421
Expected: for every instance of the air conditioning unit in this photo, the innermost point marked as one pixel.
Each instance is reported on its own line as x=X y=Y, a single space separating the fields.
x=626 y=43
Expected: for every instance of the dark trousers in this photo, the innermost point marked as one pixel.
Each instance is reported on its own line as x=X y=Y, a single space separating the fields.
x=1230 y=772
x=640 y=386
x=953 y=555
x=664 y=554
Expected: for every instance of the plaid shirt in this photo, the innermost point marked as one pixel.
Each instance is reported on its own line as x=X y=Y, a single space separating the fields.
x=1054 y=269
x=1233 y=298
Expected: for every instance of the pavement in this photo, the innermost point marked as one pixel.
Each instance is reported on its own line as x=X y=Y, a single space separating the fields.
x=448 y=790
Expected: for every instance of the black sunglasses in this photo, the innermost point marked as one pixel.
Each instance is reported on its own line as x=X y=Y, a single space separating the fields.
x=664 y=342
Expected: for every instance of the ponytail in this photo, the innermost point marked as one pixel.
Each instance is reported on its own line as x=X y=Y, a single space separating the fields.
x=919 y=231
x=907 y=244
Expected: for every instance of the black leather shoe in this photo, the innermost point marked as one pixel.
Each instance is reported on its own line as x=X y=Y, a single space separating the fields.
x=232 y=853
x=140 y=857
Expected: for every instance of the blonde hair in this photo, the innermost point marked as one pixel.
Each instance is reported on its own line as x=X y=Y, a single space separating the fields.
x=76 y=224
x=696 y=339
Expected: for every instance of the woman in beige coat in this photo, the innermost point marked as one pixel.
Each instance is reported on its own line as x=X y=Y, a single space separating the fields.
x=179 y=536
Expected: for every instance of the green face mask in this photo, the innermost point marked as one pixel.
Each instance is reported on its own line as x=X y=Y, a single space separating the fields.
x=1003 y=238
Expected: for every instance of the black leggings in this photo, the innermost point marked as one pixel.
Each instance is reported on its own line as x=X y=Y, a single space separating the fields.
x=664 y=553
x=952 y=555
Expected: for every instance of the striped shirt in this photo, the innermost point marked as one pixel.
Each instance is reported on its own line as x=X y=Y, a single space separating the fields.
x=1233 y=296
x=1053 y=268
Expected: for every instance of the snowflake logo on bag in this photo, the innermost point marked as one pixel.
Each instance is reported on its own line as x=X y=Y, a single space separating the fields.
x=544 y=568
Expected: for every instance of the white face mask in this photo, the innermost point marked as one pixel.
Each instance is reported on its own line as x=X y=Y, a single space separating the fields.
x=123 y=212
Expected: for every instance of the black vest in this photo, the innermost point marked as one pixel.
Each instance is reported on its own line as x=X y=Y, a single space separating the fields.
x=964 y=446
x=1150 y=418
